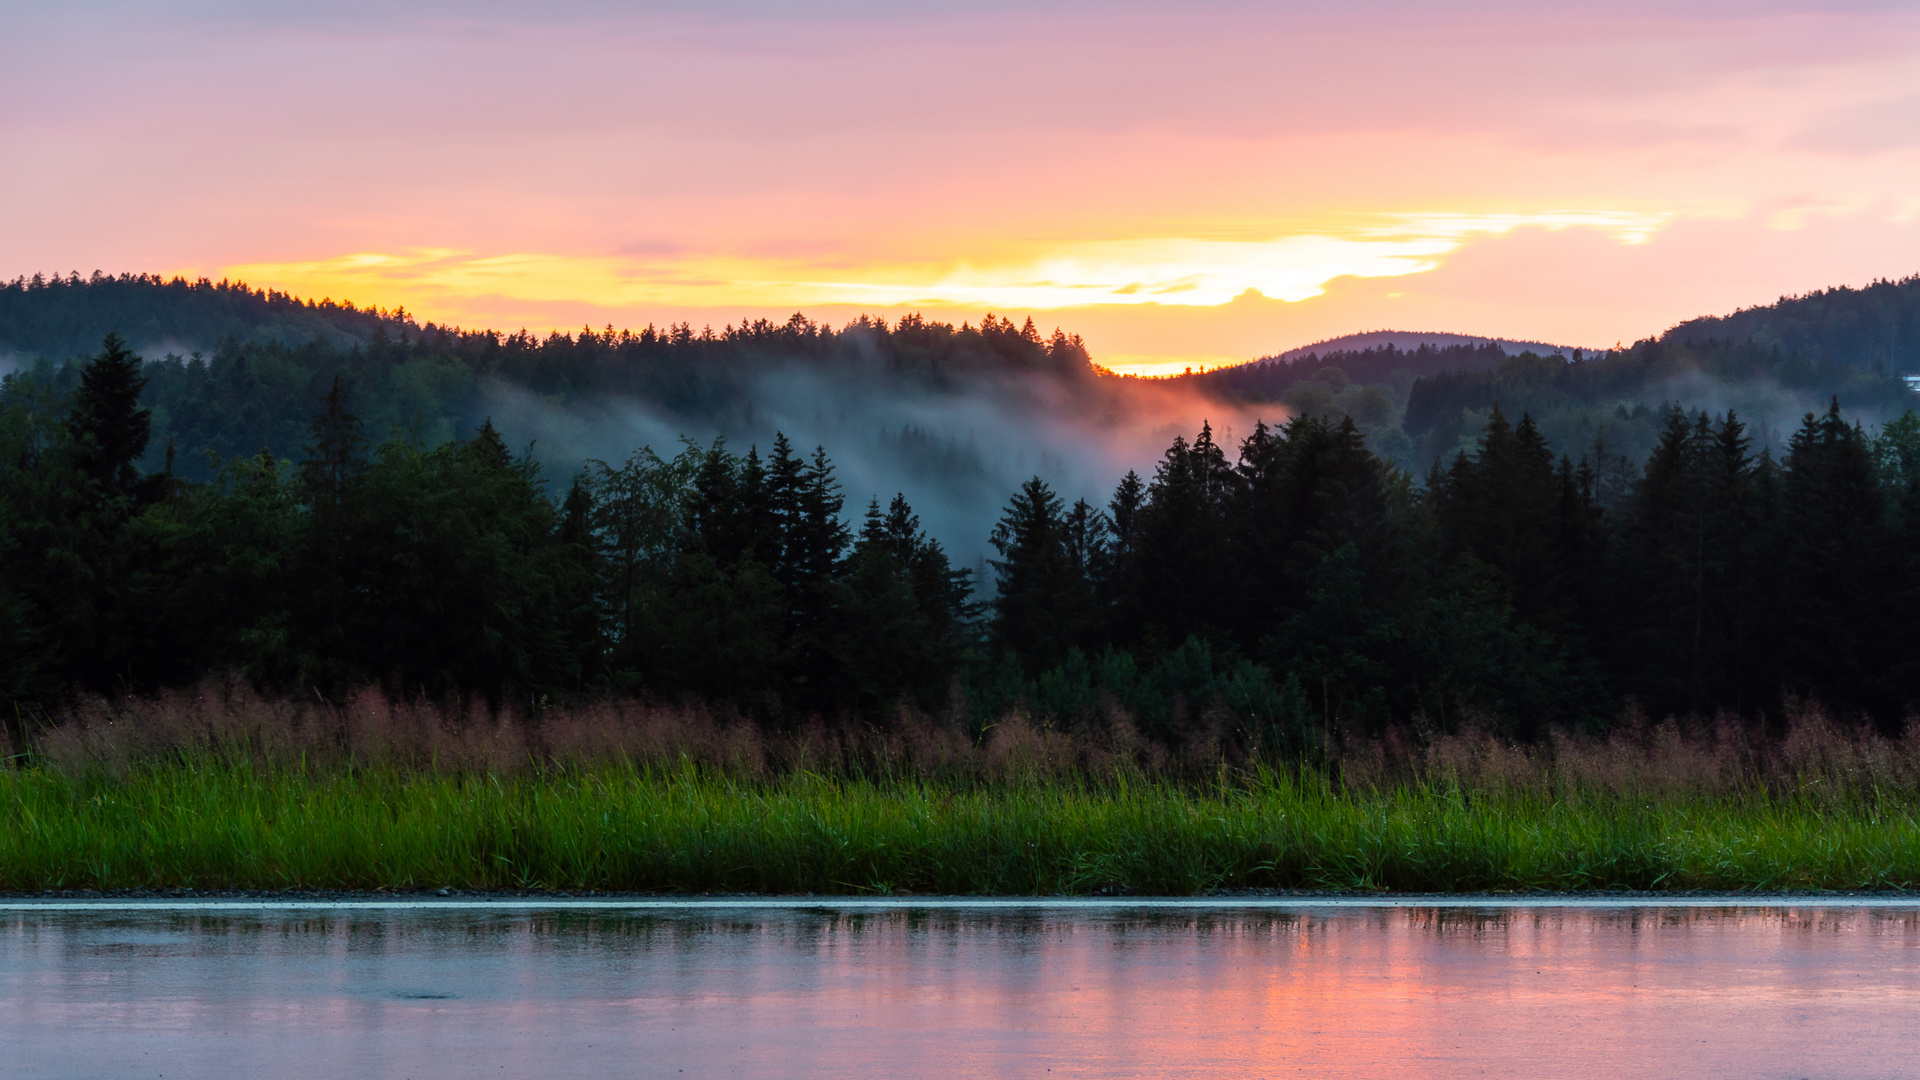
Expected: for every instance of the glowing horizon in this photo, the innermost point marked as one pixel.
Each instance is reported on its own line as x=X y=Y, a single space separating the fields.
x=1229 y=183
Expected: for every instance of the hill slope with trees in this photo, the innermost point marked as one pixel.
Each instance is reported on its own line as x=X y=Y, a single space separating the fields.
x=1772 y=363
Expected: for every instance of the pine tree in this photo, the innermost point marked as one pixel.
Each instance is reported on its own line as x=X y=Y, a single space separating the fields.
x=1834 y=598
x=820 y=538
x=1042 y=605
x=1500 y=506
x=579 y=573
x=1123 y=514
x=1899 y=444
x=329 y=477
x=785 y=488
x=335 y=451
x=109 y=428
x=718 y=522
x=1181 y=567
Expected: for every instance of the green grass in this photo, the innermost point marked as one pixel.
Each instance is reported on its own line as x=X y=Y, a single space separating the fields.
x=215 y=825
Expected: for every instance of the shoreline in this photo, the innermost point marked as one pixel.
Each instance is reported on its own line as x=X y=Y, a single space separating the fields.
x=129 y=900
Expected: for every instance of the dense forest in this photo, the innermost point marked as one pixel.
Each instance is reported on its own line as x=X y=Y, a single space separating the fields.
x=1289 y=588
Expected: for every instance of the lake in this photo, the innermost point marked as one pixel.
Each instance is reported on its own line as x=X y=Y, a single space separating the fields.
x=1416 y=988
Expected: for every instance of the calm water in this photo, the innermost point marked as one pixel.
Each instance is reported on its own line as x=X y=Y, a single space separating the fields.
x=1029 y=992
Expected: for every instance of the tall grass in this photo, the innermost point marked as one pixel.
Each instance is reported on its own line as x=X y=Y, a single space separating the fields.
x=227 y=791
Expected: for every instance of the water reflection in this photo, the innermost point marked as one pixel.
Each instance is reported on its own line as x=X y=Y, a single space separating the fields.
x=1406 y=992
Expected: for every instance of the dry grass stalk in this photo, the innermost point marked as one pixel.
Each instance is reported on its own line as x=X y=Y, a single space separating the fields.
x=1812 y=755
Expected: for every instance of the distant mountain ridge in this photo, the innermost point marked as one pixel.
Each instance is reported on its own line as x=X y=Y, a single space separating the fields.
x=1410 y=340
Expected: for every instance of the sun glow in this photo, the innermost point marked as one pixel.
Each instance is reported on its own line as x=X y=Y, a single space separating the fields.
x=1176 y=271
x=1156 y=365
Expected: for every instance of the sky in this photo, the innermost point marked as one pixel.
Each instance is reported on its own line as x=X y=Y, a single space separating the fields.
x=1184 y=185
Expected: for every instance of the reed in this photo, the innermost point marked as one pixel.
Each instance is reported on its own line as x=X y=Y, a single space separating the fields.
x=227 y=793
x=223 y=824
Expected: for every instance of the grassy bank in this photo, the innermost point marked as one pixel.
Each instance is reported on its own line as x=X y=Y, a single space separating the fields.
x=225 y=789
x=213 y=824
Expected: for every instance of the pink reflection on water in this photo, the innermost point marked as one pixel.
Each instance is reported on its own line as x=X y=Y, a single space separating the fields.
x=1359 y=993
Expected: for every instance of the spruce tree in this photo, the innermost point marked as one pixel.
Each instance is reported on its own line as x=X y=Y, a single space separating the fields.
x=109 y=428
x=1834 y=607
x=1042 y=605
x=329 y=477
x=335 y=451
x=1181 y=571
x=1500 y=506
x=785 y=487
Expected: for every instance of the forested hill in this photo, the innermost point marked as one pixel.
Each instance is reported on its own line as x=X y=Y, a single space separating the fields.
x=1876 y=328
x=231 y=370
x=1412 y=339
x=1771 y=364
x=63 y=318
x=923 y=401
x=1273 y=377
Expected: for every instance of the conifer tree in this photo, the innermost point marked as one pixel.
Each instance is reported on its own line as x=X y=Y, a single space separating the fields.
x=329 y=477
x=1689 y=553
x=109 y=428
x=1899 y=446
x=1500 y=506
x=1833 y=600
x=1181 y=564
x=1123 y=514
x=819 y=536
x=335 y=457
x=578 y=572
x=1041 y=607
x=785 y=488
x=717 y=520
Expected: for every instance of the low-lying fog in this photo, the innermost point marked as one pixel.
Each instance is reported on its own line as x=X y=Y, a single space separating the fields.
x=957 y=454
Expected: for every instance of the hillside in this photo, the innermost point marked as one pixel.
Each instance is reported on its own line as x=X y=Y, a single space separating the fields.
x=1409 y=340
x=231 y=370
x=62 y=318
x=1876 y=327
x=920 y=390
x=958 y=415
x=1772 y=364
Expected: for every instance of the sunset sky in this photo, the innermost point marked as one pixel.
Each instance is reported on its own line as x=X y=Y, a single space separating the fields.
x=1183 y=184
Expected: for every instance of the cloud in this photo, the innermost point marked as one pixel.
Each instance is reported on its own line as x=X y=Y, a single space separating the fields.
x=1865 y=129
x=1174 y=271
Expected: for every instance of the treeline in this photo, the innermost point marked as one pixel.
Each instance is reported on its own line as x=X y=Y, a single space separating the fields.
x=262 y=359
x=1291 y=587
x=59 y=318
x=1508 y=588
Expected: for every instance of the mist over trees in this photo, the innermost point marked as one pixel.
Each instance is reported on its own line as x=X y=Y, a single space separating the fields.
x=240 y=369
x=1440 y=536
x=956 y=415
x=1287 y=587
